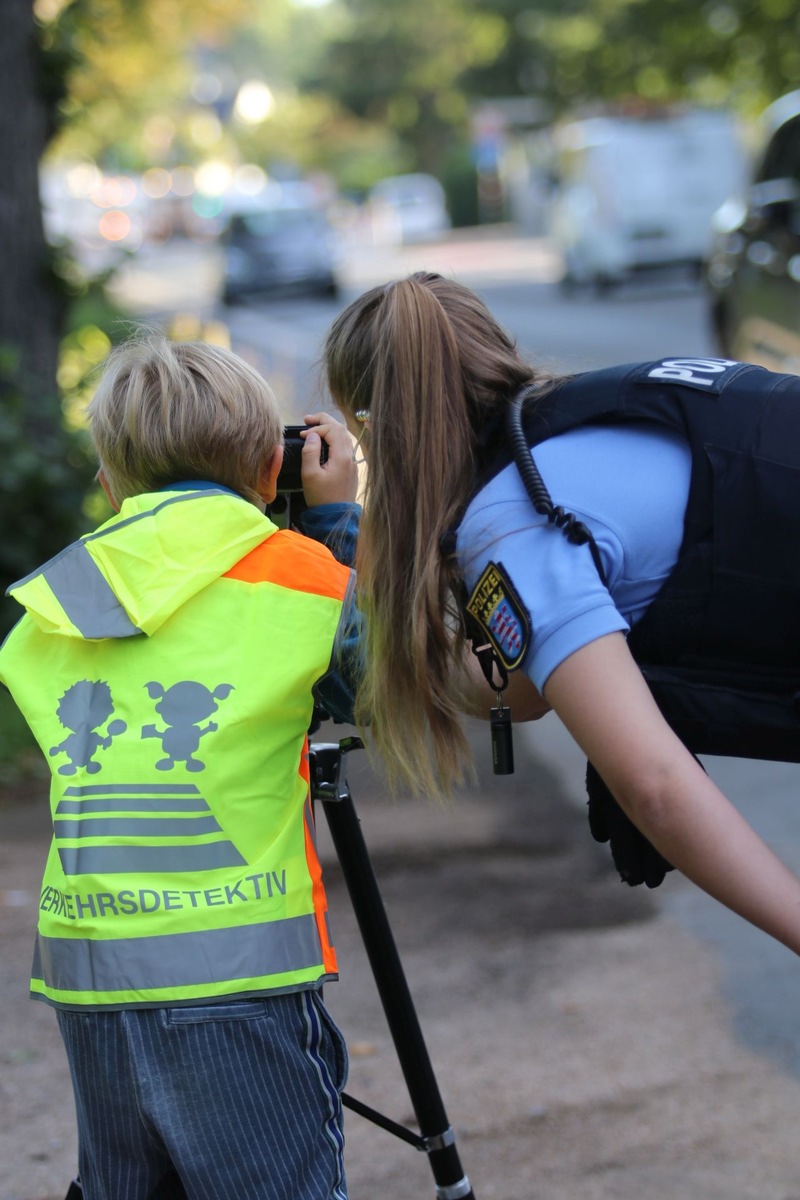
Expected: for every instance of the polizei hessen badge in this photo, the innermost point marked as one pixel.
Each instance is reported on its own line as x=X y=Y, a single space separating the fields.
x=499 y=611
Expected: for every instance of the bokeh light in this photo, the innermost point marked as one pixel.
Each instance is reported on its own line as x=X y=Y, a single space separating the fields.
x=250 y=179
x=156 y=182
x=213 y=177
x=115 y=225
x=254 y=102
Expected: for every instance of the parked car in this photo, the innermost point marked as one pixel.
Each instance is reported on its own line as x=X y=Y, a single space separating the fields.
x=278 y=249
x=638 y=192
x=407 y=208
x=754 y=270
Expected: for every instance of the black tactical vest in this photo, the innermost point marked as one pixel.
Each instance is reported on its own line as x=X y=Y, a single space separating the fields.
x=720 y=644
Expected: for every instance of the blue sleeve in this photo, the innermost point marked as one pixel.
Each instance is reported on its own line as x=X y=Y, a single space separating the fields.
x=336 y=525
x=557 y=582
x=336 y=691
x=630 y=486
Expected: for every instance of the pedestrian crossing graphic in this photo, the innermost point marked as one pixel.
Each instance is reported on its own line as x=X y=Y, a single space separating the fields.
x=124 y=815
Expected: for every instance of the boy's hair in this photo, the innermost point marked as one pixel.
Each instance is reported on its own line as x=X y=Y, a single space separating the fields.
x=166 y=412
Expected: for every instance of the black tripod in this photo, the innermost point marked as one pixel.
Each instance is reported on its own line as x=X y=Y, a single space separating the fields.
x=436 y=1138
x=329 y=785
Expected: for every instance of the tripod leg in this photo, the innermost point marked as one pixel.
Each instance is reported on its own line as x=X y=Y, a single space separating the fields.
x=439 y=1139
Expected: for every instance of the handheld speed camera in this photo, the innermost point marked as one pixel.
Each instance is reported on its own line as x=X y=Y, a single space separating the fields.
x=289 y=502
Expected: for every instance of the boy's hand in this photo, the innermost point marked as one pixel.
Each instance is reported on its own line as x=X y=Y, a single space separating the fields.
x=335 y=480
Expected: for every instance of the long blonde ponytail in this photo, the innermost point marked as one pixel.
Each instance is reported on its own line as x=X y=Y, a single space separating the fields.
x=428 y=362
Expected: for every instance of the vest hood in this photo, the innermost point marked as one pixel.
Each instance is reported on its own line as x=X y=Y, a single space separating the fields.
x=142 y=565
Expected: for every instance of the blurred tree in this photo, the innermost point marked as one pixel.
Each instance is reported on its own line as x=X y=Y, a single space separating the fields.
x=742 y=53
x=136 y=77
x=156 y=82
x=44 y=474
x=403 y=66
x=44 y=54
x=421 y=67
x=30 y=307
x=308 y=129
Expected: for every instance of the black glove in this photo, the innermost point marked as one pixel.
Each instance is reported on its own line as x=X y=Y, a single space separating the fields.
x=636 y=859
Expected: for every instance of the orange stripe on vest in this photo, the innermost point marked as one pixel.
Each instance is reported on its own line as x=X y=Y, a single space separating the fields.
x=293 y=561
x=315 y=871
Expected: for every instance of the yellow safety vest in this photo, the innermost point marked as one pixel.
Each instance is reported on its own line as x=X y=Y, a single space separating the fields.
x=165 y=665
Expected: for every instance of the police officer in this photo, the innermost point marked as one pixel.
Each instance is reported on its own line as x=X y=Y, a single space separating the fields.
x=655 y=548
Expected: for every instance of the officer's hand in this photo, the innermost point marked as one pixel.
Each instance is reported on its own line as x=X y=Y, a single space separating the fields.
x=636 y=859
x=335 y=480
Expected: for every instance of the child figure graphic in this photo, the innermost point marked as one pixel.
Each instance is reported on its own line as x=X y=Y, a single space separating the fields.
x=83 y=709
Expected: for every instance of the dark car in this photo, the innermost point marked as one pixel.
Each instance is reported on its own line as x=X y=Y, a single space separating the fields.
x=278 y=249
x=754 y=268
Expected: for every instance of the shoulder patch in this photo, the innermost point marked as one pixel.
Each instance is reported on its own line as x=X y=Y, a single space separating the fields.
x=499 y=611
x=705 y=374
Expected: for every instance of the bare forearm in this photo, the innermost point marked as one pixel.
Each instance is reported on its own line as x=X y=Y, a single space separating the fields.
x=600 y=695
x=700 y=832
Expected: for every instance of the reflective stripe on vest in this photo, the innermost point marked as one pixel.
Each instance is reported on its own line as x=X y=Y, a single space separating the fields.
x=177 y=961
x=80 y=587
x=85 y=596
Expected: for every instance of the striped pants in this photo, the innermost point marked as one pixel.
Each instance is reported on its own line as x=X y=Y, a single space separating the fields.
x=241 y=1099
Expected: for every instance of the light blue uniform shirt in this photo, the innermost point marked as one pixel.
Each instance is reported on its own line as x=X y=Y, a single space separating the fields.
x=629 y=484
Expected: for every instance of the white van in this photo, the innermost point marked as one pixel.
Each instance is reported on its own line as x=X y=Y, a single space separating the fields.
x=633 y=192
x=407 y=208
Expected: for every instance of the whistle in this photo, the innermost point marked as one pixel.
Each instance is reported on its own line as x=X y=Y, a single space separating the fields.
x=502 y=741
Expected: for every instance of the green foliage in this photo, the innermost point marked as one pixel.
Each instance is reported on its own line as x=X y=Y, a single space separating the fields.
x=365 y=88
x=46 y=497
x=128 y=68
x=419 y=69
x=460 y=181
x=20 y=757
x=402 y=67
x=42 y=486
x=576 y=52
